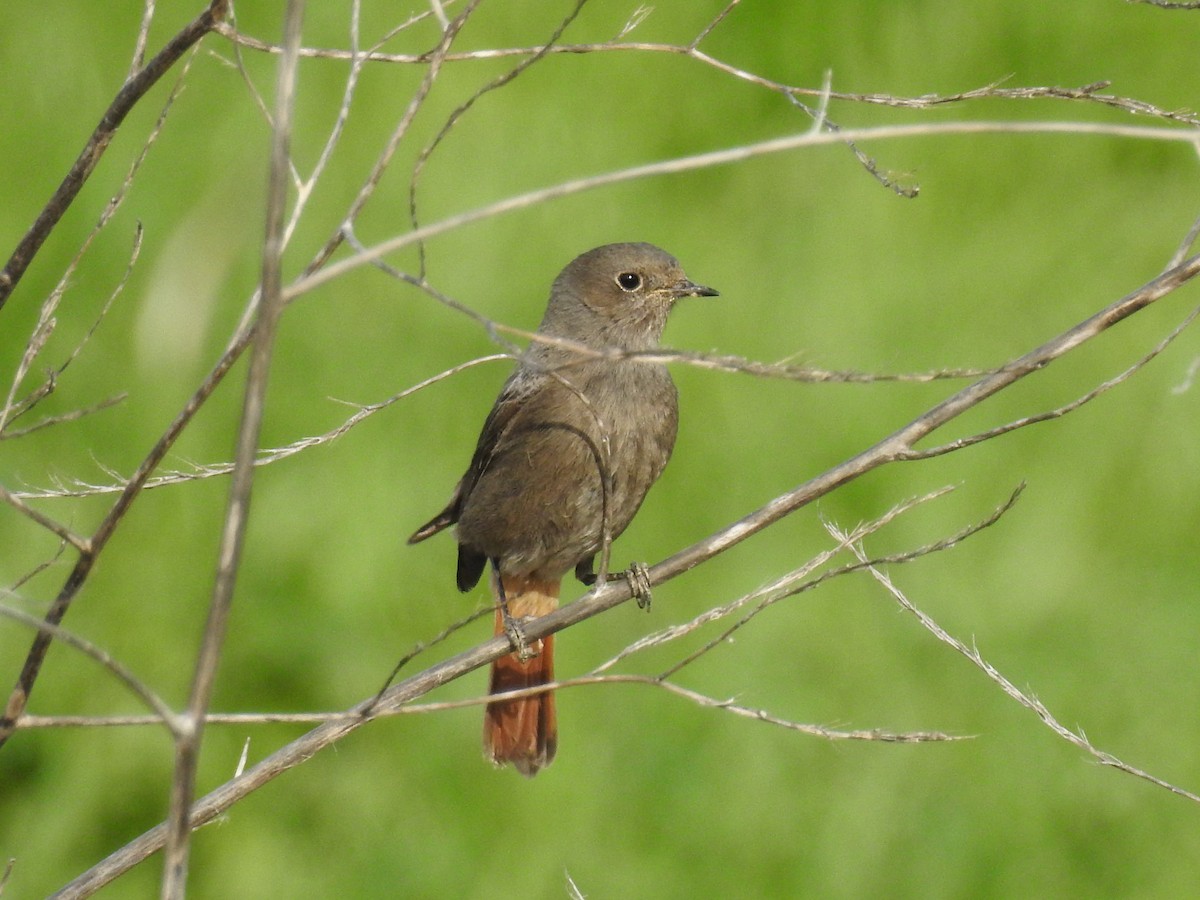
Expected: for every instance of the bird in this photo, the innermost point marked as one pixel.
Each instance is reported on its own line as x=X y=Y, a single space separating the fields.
x=578 y=434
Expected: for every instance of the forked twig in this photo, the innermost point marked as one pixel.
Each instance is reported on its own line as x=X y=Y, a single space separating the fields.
x=1026 y=700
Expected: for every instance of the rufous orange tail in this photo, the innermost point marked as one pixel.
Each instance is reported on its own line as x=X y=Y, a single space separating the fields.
x=523 y=732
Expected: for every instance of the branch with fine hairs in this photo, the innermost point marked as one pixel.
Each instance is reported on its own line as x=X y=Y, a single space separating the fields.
x=265 y=457
x=131 y=92
x=1088 y=93
x=877 y=735
x=270 y=308
x=50 y=305
x=395 y=701
x=1169 y=4
x=781 y=587
x=13 y=410
x=77 y=488
x=1028 y=701
x=19 y=697
x=794 y=583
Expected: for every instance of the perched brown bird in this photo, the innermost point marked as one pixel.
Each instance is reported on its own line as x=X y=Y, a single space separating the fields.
x=566 y=456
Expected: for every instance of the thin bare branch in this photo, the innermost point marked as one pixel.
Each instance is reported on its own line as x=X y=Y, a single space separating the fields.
x=270 y=308
x=131 y=92
x=1169 y=4
x=711 y=26
x=143 y=38
x=163 y=714
x=439 y=13
x=726 y=705
x=822 y=731
x=72 y=416
x=1185 y=246
x=462 y=109
x=434 y=61
x=1089 y=93
x=310 y=282
x=19 y=697
x=305 y=186
x=38 y=569
x=1028 y=701
x=79 y=543
x=781 y=587
x=1060 y=411
x=13 y=411
x=422 y=646
x=266 y=456
x=793 y=584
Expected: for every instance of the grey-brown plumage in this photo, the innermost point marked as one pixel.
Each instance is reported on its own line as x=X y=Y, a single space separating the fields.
x=572 y=445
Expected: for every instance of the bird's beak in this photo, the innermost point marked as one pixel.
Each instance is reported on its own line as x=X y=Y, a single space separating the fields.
x=691 y=289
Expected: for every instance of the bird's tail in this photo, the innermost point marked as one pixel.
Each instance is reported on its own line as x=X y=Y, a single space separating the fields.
x=523 y=732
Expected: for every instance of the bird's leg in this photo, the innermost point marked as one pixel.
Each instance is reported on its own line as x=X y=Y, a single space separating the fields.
x=585 y=571
x=516 y=636
x=637 y=575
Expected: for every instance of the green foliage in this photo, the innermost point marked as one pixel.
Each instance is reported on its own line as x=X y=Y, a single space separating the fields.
x=1085 y=592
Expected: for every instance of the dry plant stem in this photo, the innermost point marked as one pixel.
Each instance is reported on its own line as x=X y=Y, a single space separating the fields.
x=810 y=138
x=791 y=584
x=19 y=697
x=314 y=277
x=334 y=729
x=72 y=416
x=1169 y=4
x=703 y=700
x=187 y=746
x=163 y=713
x=79 y=543
x=1060 y=411
x=143 y=37
x=892 y=448
x=1085 y=93
x=38 y=569
x=434 y=60
x=422 y=646
x=783 y=586
x=265 y=457
x=131 y=92
x=1026 y=700
x=451 y=120
x=12 y=410
x=1185 y=246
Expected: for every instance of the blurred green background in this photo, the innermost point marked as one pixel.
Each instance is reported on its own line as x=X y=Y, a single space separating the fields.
x=1086 y=593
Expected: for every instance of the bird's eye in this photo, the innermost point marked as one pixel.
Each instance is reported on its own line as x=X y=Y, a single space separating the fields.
x=629 y=281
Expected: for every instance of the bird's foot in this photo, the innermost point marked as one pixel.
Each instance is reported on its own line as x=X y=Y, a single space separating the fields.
x=638 y=577
x=522 y=648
